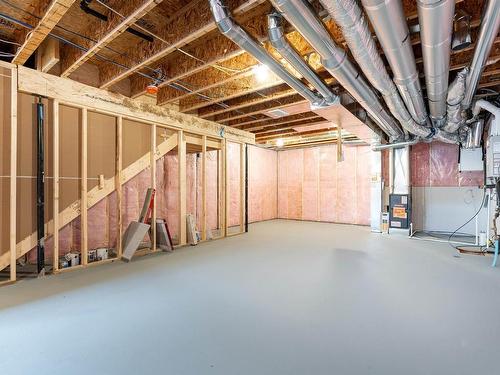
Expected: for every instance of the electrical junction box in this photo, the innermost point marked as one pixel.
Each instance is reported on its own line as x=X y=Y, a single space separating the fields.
x=399 y=211
x=471 y=159
x=493 y=157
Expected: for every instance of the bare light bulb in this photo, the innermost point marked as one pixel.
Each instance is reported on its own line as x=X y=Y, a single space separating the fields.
x=261 y=72
x=280 y=142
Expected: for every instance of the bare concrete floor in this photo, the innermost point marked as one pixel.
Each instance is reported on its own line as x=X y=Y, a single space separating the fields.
x=287 y=298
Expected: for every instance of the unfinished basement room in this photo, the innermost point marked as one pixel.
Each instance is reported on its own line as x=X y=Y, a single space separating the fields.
x=249 y=187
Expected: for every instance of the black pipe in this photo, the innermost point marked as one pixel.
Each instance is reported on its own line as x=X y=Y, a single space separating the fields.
x=246 y=188
x=84 y=5
x=40 y=194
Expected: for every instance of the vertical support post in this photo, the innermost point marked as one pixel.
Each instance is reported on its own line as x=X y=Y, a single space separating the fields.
x=181 y=145
x=83 y=189
x=153 y=185
x=40 y=188
x=225 y=184
x=13 y=174
x=118 y=184
x=204 y=188
x=55 y=167
x=220 y=193
x=242 y=187
x=246 y=188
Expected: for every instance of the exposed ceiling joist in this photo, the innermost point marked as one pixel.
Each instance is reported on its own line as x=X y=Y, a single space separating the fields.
x=220 y=55
x=132 y=10
x=249 y=100
x=190 y=23
x=52 y=12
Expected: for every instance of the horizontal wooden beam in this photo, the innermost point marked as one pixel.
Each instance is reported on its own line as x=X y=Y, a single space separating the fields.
x=251 y=99
x=294 y=119
x=69 y=91
x=105 y=33
x=52 y=12
x=231 y=90
x=190 y=23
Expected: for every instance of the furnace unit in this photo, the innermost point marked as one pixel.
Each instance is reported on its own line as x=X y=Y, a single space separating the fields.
x=399 y=211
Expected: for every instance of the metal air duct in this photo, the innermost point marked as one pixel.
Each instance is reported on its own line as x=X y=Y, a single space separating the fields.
x=436 y=25
x=281 y=44
x=389 y=23
x=233 y=31
x=456 y=93
x=349 y=16
x=489 y=29
x=334 y=59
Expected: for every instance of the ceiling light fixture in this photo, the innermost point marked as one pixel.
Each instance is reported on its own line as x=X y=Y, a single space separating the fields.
x=261 y=72
x=280 y=142
x=159 y=77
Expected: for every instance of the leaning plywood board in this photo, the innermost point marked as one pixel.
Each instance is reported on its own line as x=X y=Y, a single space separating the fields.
x=69 y=91
x=132 y=238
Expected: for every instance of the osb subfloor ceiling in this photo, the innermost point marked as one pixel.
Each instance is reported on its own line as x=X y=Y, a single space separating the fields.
x=124 y=46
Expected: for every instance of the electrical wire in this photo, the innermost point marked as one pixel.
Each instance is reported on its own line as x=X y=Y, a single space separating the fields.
x=103 y=58
x=176 y=85
x=468 y=221
x=9 y=42
x=216 y=66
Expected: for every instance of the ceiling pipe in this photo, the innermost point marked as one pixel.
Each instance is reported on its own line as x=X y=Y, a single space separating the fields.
x=389 y=23
x=394 y=145
x=334 y=59
x=489 y=29
x=348 y=15
x=436 y=26
x=234 y=32
x=456 y=92
x=281 y=44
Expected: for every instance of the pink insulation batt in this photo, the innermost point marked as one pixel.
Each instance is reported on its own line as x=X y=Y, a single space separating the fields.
x=262 y=184
x=313 y=186
x=233 y=178
x=436 y=165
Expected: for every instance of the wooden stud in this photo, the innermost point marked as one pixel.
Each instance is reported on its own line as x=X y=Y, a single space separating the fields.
x=242 y=187
x=72 y=212
x=220 y=196
x=153 y=185
x=225 y=184
x=13 y=174
x=204 y=188
x=182 y=187
x=118 y=183
x=83 y=189
x=55 y=167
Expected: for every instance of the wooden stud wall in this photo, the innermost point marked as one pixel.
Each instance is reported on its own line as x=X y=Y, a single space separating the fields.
x=89 y=198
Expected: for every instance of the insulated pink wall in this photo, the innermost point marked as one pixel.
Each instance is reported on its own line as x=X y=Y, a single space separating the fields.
x=313 y=186
x=436 y=164
x=262 y=184
x=233 y=176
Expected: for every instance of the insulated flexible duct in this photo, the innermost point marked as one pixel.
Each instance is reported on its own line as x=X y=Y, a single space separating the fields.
x=456 y=93
x=389 y=23
x=349 y=16
x=280 y=43
x=239 y=36
x=489 y=29
x=335 y=60
x=436 y=26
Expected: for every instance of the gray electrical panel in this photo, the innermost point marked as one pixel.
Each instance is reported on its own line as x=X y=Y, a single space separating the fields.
x=493 y=157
